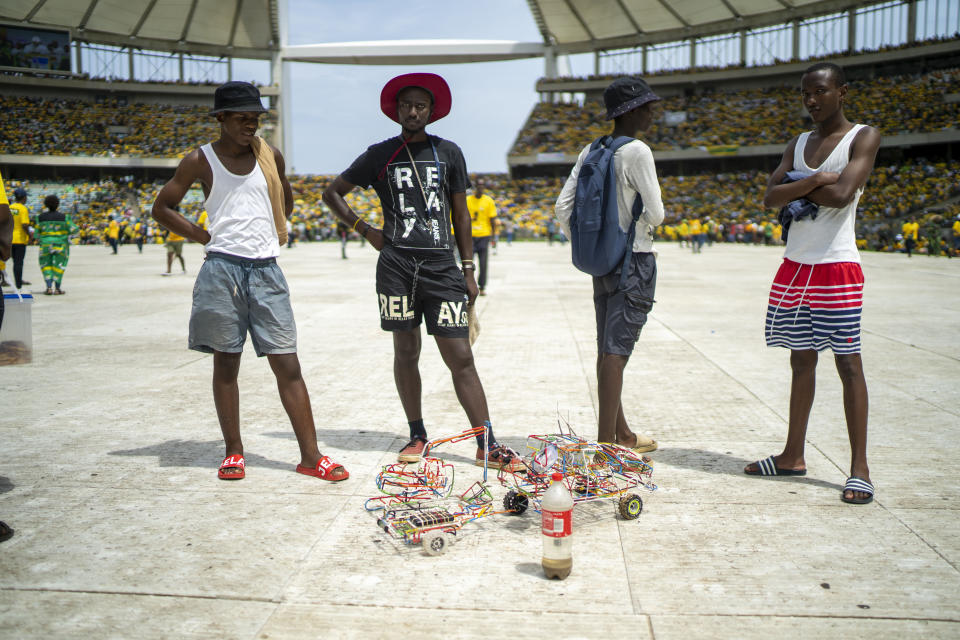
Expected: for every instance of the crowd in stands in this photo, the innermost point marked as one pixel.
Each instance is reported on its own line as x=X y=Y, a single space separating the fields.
x=746 y=117
x=61 y=126
x=833 y=57
x=725 y=207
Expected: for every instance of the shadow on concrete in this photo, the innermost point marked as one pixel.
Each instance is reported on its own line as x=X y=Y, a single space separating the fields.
x=344 y=437
x=531 y=569
x=194 y=453
x=5 y=484
x=725 y=464
x=371 y=440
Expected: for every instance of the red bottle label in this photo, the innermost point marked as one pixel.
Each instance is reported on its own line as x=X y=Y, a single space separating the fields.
x=556 y=524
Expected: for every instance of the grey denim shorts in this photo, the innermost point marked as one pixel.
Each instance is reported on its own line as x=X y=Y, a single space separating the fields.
x=622 y=313
x=234 y=295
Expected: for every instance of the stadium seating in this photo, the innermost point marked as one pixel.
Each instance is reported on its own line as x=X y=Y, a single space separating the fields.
x=747 y=117
x=60 y=127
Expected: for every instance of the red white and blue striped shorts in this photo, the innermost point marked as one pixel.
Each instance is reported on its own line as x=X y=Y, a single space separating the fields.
x=815 y=307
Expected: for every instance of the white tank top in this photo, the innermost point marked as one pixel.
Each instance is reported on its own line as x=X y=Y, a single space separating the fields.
x=240 y=214
x=832 y=236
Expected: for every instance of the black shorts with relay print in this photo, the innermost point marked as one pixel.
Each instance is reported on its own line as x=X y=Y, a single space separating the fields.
x=412 y=286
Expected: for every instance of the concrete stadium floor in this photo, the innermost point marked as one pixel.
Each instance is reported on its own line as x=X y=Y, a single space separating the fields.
x=110 y=446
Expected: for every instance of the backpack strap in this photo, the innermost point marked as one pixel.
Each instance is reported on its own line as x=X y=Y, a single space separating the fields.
x=637 y=211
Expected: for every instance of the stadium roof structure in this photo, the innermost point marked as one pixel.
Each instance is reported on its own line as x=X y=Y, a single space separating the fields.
x=577 y=26
x=413 y=51
x=235 y=28
x=256 y=29
x=239 y=29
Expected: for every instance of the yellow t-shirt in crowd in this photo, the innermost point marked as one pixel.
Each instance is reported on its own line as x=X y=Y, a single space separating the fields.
x=202 y=220
x=695 y=227
x=911 y=230
x=684 y=229
x=3 y=192
x=113 y=230
x=482 y=211
x=956 y=228
x=21 y=220
x=172 y=237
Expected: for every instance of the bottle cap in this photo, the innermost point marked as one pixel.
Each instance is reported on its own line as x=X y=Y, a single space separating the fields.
x=556 y=476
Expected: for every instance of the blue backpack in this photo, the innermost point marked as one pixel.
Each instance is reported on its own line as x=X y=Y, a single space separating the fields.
x=599 y=244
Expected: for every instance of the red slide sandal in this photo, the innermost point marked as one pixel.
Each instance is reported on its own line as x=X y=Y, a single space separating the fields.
x=324 y=470
x=232 y=462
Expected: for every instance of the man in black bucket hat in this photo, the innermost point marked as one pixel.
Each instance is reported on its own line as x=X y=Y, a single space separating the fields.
x=621 y=312
x=422 y=182
x=240 y=289
x=237 y=96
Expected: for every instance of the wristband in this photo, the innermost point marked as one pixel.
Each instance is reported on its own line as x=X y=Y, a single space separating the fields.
x=356 y=222
x=470 y=266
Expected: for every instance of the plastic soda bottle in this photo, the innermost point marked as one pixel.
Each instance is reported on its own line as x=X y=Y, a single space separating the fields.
x=556 y=510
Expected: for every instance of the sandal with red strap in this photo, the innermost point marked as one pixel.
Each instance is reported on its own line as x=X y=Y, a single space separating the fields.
x=232 y=462
x=324 y=470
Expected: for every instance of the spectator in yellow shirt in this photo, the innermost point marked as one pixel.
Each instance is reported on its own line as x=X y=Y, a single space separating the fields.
x=911 y=231
x=956 y=236
x=113 y=234
x=683 y=232
x=174 y=246
x=696 y=237
x=21 y=234
x=483 y=214
x=139 y=234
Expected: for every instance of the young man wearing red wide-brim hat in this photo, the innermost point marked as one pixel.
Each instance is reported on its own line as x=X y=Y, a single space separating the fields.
x=420 y=180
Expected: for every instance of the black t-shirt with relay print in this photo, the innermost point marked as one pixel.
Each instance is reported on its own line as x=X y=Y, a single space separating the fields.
x=408 y=221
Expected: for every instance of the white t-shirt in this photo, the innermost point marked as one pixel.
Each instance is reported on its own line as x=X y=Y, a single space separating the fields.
x=832 y=236
x=240 y=215
x=636 y=173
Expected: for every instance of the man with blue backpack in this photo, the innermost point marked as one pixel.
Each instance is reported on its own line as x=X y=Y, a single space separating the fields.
x=609 y=207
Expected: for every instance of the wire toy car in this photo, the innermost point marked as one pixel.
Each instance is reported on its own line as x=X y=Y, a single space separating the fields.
x=429 y=479
x=436 y=524
x=591 y=471
x=415 y=503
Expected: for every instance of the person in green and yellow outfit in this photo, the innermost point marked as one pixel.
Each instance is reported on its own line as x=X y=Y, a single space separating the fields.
x=54 y=230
